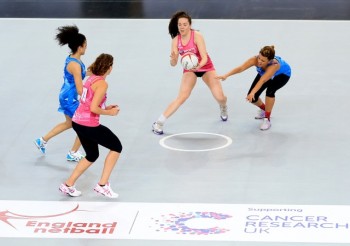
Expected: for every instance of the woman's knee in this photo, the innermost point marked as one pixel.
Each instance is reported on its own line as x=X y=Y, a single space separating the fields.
x=270 y=93
x=92 y=157
x=183 y=97
x=255 y=100
x=117 y=148
x=217 y=91
x=68 y=122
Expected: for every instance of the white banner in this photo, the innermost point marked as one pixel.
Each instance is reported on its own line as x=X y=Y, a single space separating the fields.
x=170 y=221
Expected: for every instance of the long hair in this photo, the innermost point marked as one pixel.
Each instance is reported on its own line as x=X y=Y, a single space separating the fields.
x=268 y=51
x=101 y=65
x=70 y=35
x=173 y=29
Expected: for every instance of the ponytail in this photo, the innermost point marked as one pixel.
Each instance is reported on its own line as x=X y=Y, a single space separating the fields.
x=70 y=35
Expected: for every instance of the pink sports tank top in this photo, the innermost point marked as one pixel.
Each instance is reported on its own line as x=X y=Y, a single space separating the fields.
x=192 y=48
x=83 y=115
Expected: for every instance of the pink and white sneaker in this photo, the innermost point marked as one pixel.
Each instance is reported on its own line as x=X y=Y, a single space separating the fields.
x=70 y=191
x=106 y=190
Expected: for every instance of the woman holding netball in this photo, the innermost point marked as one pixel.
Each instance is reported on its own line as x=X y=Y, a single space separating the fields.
x=273 y=74
x=186 y=40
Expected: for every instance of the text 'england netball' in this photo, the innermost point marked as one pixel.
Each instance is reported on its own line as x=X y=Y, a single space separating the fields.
x=74 y=228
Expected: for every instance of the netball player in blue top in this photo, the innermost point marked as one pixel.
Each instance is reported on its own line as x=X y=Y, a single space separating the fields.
x=74 y=73
x=273 y=74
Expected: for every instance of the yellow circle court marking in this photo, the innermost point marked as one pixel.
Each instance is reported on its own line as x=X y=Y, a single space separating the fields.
x=163 y=144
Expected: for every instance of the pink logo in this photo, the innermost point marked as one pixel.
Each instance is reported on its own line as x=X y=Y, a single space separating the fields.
x=5 y=216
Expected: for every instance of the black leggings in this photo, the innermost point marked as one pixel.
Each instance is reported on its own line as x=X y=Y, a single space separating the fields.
x=91 y=137
x=271 y=86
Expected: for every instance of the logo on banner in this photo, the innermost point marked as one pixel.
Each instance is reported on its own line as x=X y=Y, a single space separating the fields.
x=192 y=223
x=268 y=219
x=43 y=224
x=5 y=216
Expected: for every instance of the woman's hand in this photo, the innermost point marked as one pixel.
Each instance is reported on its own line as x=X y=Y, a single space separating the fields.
x=173 y=58
x=222 y=77
x=173 y=55
x=113 y=109
x=194 y=69
x=250 y=97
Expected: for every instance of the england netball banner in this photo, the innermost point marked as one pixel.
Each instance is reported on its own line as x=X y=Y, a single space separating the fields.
x=169 y=221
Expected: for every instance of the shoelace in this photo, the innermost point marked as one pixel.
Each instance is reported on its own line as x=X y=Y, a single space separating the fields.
x=77 y=155
x=107 y=190
x=71 y=189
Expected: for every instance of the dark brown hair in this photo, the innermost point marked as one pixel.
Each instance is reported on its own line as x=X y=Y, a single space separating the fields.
x=101 y=65
x=268 y=51
x=173 y=29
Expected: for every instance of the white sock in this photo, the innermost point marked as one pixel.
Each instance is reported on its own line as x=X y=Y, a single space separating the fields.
x=161 y=119
x=43 y=140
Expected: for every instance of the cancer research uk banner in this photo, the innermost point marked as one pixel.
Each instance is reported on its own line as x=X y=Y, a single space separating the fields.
x=170 y=221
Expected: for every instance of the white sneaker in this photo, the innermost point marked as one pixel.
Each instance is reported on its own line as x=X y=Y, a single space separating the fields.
x=260 y=115
x=265 y=125
x=223 y=112
x=106 y=190
x=75 y=156
x=70 y=191
x=157 y=128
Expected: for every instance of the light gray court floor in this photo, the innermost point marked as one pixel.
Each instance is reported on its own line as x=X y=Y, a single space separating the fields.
x=302 y=160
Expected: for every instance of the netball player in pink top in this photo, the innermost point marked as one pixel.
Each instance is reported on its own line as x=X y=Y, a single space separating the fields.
x=86 y=123
x=185 y=39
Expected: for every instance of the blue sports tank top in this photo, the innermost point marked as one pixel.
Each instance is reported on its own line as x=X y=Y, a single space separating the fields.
x=68 y=96
x=284 y=67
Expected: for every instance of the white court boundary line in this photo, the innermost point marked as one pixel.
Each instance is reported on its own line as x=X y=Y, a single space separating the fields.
x=162 y=142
